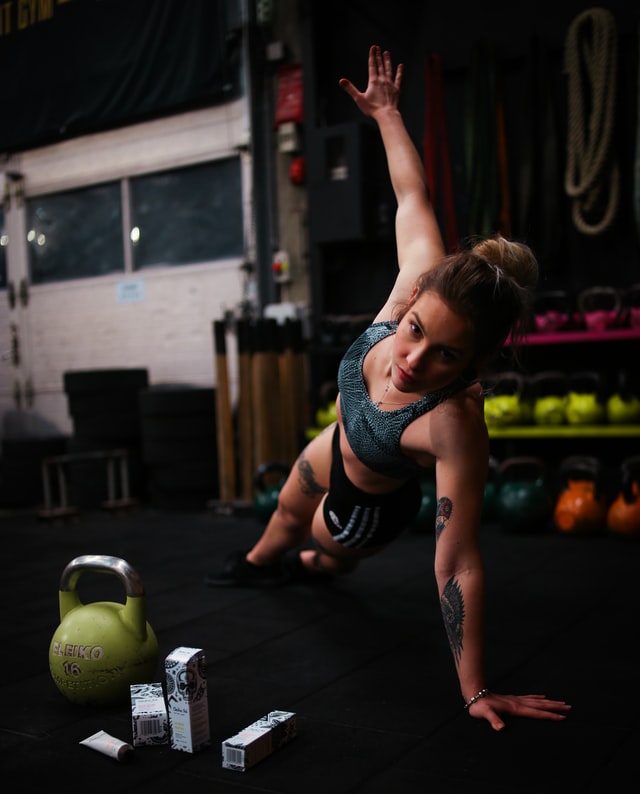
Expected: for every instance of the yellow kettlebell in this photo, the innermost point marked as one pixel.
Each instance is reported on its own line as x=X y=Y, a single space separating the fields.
x=100 y=649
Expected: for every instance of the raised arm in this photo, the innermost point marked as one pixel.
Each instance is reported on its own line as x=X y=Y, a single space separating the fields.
x=418 y=239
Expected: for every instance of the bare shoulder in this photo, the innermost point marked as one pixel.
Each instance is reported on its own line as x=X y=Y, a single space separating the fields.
x=451 y=431
x=458 y=425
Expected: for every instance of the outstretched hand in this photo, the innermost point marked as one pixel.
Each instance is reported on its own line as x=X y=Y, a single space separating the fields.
x=383 y=90
x=535 y=707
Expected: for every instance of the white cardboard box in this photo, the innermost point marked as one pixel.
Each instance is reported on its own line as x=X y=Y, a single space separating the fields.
x=259 y=740
x=188 y=706
x=149 y=721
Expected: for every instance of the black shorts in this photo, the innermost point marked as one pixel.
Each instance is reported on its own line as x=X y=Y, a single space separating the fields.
x=360 y=520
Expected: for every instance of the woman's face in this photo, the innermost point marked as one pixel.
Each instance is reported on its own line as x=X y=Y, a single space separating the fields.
x=432 y=347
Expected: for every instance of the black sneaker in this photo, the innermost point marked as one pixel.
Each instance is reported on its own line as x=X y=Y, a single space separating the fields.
x=237 y=571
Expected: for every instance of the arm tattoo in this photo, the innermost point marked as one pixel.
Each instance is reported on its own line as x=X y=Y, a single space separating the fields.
x=452 y=606
x=308 y=484
x=443 y=514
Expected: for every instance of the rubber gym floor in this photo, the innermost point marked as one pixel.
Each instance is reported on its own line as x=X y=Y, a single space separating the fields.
x=363 y=663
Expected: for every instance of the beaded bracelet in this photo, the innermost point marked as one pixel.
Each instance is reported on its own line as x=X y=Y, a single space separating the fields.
x=482 y=693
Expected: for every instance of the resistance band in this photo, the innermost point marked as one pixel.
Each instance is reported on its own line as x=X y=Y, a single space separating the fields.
x=436 y=148
x=486 y=149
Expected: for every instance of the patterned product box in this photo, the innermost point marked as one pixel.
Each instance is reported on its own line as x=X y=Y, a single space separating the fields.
x=186 y=675
x=259 y=740
x=149 y=721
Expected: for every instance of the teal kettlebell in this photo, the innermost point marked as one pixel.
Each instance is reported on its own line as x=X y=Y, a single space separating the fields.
x=268 y=480
x=524 y=503
x=491 y=490
x=425 y=519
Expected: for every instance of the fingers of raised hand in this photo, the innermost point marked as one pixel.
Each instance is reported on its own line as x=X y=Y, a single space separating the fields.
x=375 y=60
x=387 y=65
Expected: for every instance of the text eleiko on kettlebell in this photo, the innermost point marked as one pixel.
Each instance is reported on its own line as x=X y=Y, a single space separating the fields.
x=100 y=649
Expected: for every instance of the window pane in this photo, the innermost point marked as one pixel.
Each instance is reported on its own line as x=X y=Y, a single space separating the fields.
x=188 y=215
x=3 y=251
x=77 y=234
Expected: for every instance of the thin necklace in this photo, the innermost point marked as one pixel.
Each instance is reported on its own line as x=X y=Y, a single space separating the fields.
x=379 y=402
x=382 y=401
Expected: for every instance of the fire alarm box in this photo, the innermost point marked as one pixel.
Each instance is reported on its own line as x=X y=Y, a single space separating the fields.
x=281 y=267
x=289 y=101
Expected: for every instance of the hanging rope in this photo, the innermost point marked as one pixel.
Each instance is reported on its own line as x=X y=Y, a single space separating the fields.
x=592 y=177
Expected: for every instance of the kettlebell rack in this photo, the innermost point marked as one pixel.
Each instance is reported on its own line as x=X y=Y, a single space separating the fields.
x=565 y=431
x=59 y=464
x=571 y=337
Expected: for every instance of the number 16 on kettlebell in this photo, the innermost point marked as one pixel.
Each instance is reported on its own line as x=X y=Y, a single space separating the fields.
x=100 y=649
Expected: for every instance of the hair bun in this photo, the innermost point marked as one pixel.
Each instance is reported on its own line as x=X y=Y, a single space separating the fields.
x=515 y=259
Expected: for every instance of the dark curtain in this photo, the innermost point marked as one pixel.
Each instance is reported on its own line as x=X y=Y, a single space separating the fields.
x=82 y=66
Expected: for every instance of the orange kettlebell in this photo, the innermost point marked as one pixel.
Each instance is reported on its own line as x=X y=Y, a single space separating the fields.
x=623 y=516
x=581 y=507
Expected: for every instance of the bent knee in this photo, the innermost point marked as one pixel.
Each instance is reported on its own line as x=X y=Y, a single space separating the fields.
x=339 y=566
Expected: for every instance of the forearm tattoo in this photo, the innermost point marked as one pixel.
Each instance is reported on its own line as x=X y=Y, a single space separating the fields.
x=444 y=509
x=308 y=484
x=452 y=606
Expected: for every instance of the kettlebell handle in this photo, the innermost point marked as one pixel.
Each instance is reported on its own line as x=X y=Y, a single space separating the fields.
x=630 y=475
x=102 y=563
x=265 y=469
x=577 y=467
x=527 y=467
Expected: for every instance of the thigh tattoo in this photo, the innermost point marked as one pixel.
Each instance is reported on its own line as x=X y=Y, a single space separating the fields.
x=308 y=483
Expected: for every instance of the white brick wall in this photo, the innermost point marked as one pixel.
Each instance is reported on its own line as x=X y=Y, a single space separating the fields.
x=81 y=324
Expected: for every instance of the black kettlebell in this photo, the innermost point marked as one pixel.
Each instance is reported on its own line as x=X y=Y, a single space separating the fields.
x=268 y=480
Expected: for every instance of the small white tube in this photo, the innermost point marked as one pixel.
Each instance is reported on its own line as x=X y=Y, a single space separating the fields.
x=108 y=745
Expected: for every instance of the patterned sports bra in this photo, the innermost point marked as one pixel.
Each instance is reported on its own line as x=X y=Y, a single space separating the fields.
x=374 y=435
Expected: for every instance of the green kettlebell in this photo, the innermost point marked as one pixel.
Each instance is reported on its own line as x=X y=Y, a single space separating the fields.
x=524 y=502
x=549 y=410
x=550 y=398
x=100 y=649
x=502 y=401
x=268 y=480
x=585 y=403
x=502 y=409
x=623 y=405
